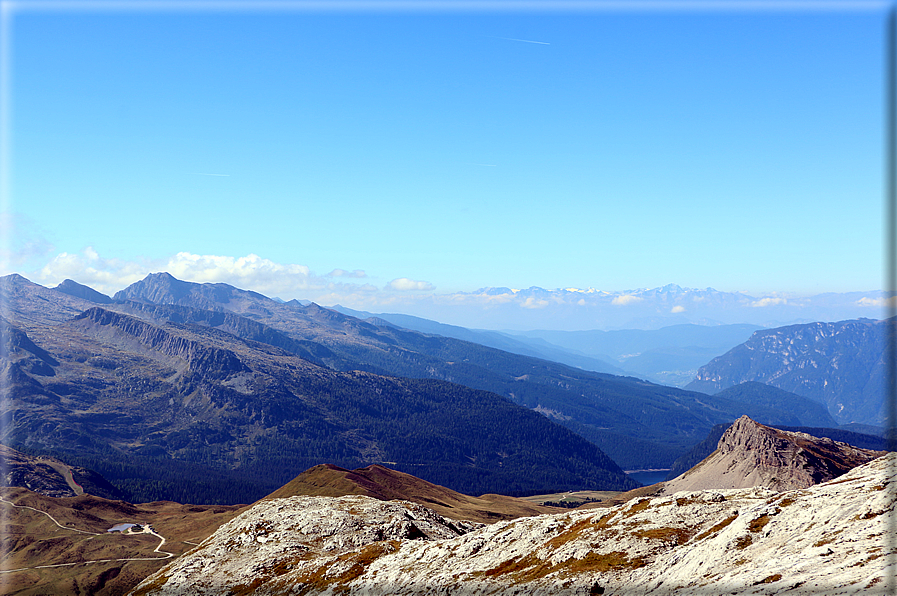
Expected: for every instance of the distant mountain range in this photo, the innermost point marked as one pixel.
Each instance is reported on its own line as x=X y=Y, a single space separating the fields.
x=841 y=365
x=645 y=308
x=638 y=424
x=669 y=355
x=241 y=390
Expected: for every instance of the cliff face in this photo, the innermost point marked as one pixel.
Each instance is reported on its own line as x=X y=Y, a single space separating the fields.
x=751 y=454
x=829 y=538
x=200 y=358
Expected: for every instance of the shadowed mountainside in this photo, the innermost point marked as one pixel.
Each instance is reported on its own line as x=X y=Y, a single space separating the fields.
x=52 y=477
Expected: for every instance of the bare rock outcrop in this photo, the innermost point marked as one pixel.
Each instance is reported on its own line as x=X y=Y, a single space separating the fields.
x=385 y=484
x=752 y=454
x=831 y=538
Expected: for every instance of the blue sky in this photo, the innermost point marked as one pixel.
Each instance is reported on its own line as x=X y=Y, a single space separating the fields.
x=445 y=151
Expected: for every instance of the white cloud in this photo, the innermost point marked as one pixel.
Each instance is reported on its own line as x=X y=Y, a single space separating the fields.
x=626 y=299
x=403 y=284
x=532 y=302
x=251 y=272
x=677 y=309
x=879 y=302
x=88 y=268
x=768 y=302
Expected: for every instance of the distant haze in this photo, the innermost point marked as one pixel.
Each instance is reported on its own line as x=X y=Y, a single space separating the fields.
x=502 y=308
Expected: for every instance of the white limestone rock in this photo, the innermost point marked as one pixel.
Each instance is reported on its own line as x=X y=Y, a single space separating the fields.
x=830 y=538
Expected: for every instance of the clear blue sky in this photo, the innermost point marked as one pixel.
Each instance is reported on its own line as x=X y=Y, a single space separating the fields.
x=741 y=150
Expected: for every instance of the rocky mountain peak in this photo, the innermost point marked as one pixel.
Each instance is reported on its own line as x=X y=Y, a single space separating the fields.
x=158 y=288
x=73 y=288
x=752 y=454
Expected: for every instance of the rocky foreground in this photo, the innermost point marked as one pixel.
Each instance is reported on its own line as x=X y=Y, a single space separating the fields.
x=832 y=538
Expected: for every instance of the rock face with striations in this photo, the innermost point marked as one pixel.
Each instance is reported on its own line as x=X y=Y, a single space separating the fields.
x=751 y=454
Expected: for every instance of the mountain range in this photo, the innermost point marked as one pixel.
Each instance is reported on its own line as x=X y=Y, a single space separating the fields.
x=166 y=403
x=669 y=355
x=571 y=309
x=638 y=424
x=243 y=390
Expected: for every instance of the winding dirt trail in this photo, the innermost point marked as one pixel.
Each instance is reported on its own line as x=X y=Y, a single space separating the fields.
x=147 y=529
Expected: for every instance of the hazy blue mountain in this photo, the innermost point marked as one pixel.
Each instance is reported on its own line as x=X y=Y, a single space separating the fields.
x=525 y=346
x=643 y=308
x=841 y=365
x=806 y=410
x=670 y=355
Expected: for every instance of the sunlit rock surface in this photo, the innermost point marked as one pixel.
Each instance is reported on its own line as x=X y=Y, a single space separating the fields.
x=832 y=538
x=752 y=454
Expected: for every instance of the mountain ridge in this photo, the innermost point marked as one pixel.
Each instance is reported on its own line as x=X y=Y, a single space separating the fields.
x=749 y=540
x=385 y=484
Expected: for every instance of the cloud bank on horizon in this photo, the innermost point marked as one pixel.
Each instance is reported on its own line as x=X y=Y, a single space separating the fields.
x=493 y=307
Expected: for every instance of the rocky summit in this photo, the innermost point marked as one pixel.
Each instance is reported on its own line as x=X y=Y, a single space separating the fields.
x=752 y=454
x=831 y=538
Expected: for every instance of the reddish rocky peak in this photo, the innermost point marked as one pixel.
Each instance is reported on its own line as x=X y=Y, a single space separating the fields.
x=752 y=454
